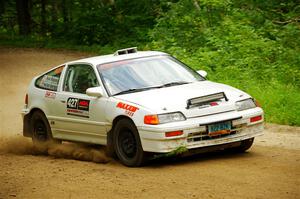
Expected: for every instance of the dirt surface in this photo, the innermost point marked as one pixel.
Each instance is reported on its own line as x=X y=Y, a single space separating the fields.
x=270 y=169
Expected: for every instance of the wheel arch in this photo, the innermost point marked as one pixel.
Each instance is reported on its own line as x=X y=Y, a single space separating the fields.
x=26 y=123
x=109 y=141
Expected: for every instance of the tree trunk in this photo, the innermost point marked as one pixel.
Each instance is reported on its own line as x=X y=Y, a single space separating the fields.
x=2 y=7
x=54 y=15
x=64 y=11
x=43 y=17
x=2 y=10
x=24 y=19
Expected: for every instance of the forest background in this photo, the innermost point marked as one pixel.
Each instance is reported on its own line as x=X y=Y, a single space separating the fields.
x=253 y=45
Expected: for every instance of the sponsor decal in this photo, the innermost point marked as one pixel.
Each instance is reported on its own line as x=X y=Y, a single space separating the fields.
x=206 y=105
x=83 y=105
x=49 y=82
x=78 y=107
x=50 y=94
x=129 y=109
x=114 y=64
x=74 y=111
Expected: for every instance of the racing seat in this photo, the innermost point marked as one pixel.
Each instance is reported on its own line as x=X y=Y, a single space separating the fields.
x=81 y=84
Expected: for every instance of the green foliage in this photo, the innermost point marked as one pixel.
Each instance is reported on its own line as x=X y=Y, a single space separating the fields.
x=93 y=27
x=178 y=151
x=248 y=44
x=80 y=22
x=252 y=45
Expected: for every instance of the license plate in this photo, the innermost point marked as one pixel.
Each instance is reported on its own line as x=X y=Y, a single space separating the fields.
x=219 y=128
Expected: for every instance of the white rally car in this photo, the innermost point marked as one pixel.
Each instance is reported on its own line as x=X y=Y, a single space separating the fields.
x=138 y=102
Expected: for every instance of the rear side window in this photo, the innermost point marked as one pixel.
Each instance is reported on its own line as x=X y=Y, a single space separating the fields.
x=50 y=80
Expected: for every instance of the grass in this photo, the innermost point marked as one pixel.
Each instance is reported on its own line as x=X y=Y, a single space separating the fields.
x=280 y=102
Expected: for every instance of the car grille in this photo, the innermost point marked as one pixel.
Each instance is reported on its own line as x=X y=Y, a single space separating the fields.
x=199 y=136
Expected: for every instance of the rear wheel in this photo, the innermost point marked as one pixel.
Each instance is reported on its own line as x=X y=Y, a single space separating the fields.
x=40 y=129
x=127 y=144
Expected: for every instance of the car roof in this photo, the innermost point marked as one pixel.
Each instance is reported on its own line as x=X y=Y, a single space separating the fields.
x=113 y=57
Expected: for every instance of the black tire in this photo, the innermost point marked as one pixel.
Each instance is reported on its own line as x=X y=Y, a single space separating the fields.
x=40 y=129
x=245 y=145
x=110 y=151
x=127 y=144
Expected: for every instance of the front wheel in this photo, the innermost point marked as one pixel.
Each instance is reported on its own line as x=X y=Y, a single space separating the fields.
x=127 y=144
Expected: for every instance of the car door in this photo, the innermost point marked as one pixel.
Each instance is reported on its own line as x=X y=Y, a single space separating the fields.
x=80 y=117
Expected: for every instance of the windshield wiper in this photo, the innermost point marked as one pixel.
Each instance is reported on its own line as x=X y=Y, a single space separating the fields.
x=133 y=90
x=174 y=84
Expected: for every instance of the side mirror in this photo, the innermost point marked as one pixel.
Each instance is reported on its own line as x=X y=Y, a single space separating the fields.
x=203 y=73
x=94 y=92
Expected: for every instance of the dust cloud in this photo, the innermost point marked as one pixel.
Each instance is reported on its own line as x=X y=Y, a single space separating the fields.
x=23 y=146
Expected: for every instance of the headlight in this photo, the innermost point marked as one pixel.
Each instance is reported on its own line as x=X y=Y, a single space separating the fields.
x=170 y=117
x=245 y=104
x=164 y=118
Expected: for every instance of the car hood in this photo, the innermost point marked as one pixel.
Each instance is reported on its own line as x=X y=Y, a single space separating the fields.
x=173 y=99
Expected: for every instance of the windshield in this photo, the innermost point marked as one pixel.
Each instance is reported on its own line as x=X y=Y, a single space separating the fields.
x=145 y=73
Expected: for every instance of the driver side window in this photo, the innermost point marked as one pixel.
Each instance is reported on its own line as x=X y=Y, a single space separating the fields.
x=80 y=77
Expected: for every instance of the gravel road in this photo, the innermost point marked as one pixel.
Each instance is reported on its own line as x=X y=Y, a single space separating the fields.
x=270 y=169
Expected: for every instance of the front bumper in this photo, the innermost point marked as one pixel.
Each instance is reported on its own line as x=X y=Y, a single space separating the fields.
x=194 y=132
